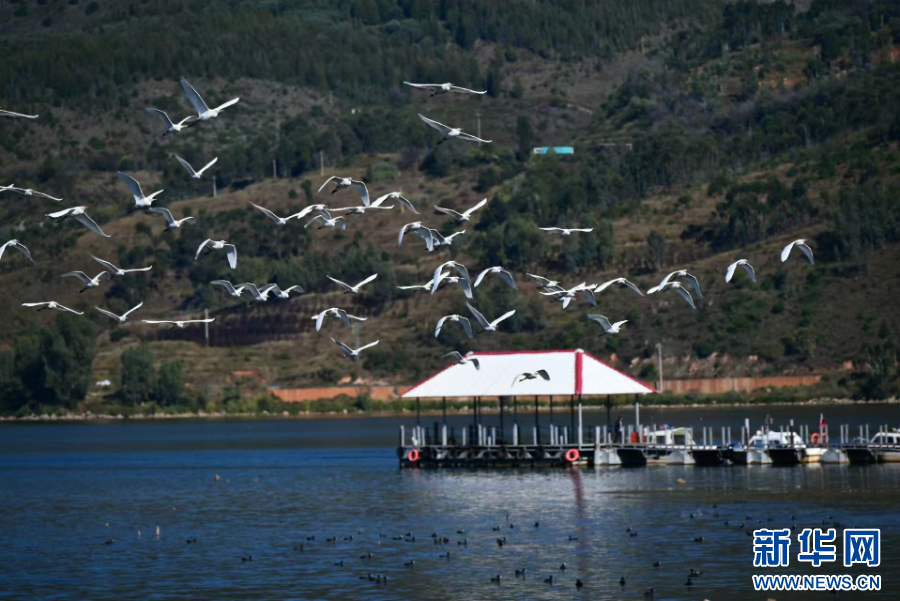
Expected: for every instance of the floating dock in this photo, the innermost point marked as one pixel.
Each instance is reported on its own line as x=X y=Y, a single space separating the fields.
x=478 y=446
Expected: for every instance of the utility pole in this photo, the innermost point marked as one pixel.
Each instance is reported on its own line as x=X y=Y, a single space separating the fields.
x=214 y=186
x=478 y=117
x=321 y=163
x=659 y=363
x=274 y=170
x=206 y=325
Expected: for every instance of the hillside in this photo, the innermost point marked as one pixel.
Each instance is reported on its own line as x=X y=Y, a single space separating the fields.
x=704 y=133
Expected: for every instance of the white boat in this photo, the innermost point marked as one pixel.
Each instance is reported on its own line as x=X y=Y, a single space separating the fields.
x=777 y=448
x=884 y=447
x=887 y=446
x=663 y=446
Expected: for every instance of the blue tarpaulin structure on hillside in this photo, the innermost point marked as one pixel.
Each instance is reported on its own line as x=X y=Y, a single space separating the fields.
x=554 y=149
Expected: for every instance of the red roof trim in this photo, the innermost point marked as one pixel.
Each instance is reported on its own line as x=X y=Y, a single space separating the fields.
x=620 y=372
x=477 y=353
x=579 y=366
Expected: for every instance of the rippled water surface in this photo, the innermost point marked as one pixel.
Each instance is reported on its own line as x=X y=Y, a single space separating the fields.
x=65 y=489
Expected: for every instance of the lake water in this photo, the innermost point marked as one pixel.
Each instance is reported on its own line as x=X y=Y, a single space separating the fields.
x=66 y=489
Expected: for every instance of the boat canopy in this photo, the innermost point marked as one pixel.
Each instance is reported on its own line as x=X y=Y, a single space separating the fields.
x=669 y=436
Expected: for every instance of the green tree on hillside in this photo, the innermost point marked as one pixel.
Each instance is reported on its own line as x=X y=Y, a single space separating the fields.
x=54 y=362
x=169 y=385
x=137 y=375
x=525 y=135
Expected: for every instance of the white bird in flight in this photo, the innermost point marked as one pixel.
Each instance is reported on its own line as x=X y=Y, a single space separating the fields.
x=12 y=114
x=460 y=269
x=190 y=170
x=307 y=210
x=451 y=132
x=677 y=286
x=681 y=274
x=140 y=200
x=172 y=223
x=276 y=291
x=439 y=241
x=426 y=286
x=504 y=275
x=52 y=305
x=468 y=358
x=78 y=214
x=353 y=289
x=463 y=321
x=209 y=245
x=544 y=283
x=621 y=281
x=410 y=227
x=326 y=221
x=339 y=314
x=465 y=215
x=346 y=182
x=531 y=375
x=203 y=112
x=89 y=282
x=180 y=323
x=442 y=88
x=743 y=263
x=115 y=271
x=489 y=326
x=124 y=316
x=259 y=295
x=18 y=246
x=801 y=244
x=567 y=231
x=445 y=278
x=173 y=128
x=279 y=221
x=567 y=296
x=27 y=192
x=428 y=235
x=229 y=287
x=353 y=353
x=608 y=328
x=396 y=196
x=361 y=210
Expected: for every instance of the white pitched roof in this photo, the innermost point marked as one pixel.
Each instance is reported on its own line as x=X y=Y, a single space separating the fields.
x=571 y=373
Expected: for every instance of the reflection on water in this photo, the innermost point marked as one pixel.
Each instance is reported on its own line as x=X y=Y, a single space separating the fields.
x=283 y=481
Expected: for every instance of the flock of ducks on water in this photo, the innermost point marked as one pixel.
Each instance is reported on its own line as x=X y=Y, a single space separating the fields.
x=448 y=273
x=556 y=576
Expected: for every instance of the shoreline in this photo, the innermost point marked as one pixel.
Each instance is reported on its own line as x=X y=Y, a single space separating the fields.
x=562 y=408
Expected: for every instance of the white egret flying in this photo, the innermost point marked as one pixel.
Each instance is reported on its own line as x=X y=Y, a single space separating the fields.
x=203 y=112
x=451 y=132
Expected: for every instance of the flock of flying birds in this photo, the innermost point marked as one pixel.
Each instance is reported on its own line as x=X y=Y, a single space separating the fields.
x=680 y=281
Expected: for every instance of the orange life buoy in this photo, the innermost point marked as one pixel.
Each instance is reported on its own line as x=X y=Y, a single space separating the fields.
x=814 y=439
x=413 y=455
x=634 y=437
x=572 y=455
